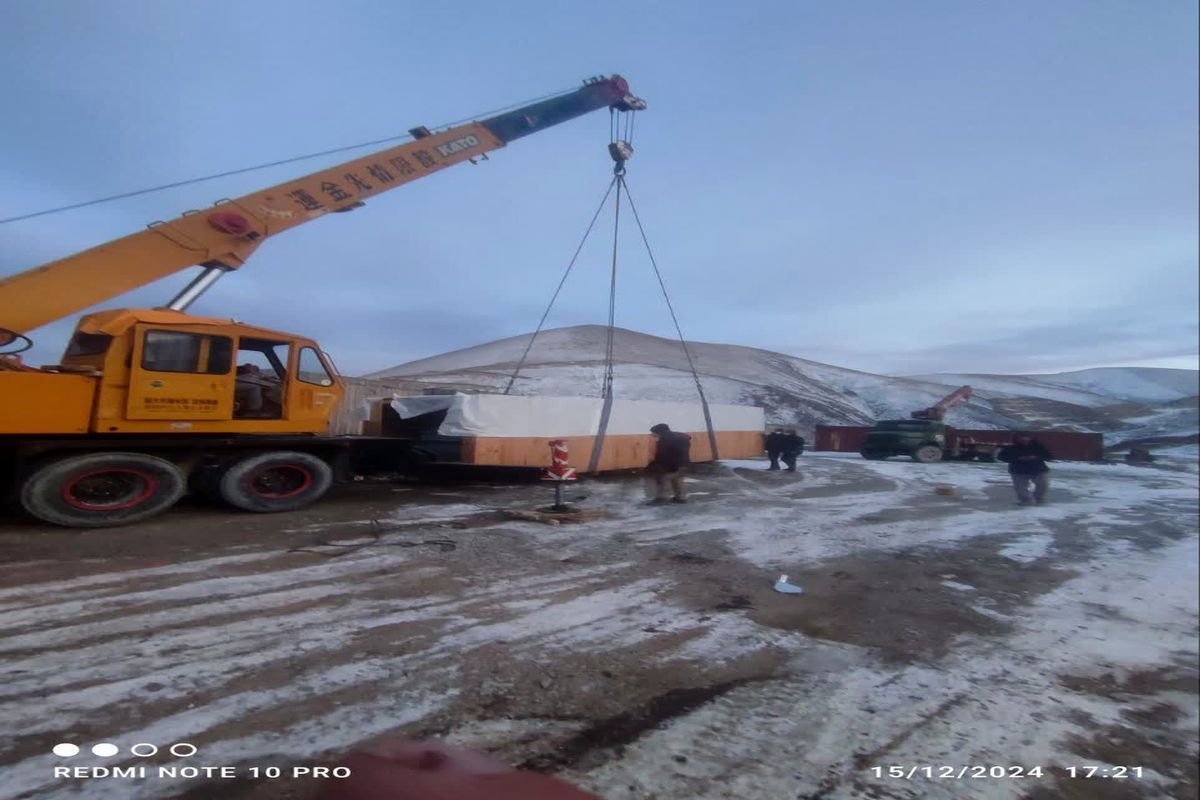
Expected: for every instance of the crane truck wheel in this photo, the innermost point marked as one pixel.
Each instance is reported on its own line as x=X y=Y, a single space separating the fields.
x=279 y=481
x=101 y=490
x=927 y=454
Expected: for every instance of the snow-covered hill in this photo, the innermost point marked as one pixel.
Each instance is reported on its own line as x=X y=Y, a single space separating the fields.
x=1121 y=402
x=1127 y=404
x=1089 y=387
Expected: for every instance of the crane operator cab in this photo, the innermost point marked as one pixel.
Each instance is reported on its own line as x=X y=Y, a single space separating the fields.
x=261 y=375
x=144 y=371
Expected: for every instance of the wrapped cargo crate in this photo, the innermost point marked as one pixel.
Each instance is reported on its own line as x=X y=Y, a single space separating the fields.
x=510 y=430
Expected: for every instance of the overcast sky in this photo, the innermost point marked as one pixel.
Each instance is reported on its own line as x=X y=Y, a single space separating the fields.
x=894 y=187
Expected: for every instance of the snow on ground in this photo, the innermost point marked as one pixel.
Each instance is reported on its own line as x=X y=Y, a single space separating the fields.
x=268 y=656
x=1028 y=549
x=991 y=702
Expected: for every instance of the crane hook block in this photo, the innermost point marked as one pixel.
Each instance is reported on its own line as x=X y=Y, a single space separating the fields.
x=630 y=103
x=620 y=151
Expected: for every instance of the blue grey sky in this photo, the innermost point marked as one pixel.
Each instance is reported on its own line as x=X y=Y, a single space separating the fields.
x=898 y=187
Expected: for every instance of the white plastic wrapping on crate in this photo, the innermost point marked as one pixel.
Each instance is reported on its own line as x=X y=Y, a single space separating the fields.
x=520 y=416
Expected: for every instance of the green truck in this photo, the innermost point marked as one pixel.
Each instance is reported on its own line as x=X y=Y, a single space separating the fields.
x=924 y=440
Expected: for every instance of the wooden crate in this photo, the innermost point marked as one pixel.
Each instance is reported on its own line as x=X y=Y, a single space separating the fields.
x=621 y=451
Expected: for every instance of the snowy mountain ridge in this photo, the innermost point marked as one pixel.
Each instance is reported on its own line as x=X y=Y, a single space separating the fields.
x=1122 y=402
x=1093 y=387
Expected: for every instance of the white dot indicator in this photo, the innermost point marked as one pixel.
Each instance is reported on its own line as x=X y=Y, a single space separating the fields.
x=177 y=749
x=66 y=750
x=105 y=749
x=143 y=749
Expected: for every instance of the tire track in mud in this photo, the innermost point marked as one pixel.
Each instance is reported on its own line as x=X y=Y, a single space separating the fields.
x=230 y=649
x=576 y=615
x=278 y=675
x=617 y=731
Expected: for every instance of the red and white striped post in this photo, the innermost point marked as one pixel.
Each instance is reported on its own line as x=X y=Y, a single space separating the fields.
x=559 y=472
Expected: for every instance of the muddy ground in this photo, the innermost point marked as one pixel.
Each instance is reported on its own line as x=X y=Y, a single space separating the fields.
x=641 y=652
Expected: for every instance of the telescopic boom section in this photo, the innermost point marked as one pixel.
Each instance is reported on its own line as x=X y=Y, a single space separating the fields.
x=938 y=411
x=223 y=237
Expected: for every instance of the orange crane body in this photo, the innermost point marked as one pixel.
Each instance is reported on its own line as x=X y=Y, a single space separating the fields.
x=145 y=400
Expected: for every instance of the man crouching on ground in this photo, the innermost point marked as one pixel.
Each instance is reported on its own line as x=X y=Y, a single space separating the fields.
x=665 y=470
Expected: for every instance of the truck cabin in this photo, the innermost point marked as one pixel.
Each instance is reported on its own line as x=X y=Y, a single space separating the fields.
x=166 y=365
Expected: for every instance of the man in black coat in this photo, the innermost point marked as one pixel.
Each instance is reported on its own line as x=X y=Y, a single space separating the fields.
x=793 y=446
x=672 y=455
x=1026 y=458
x=774 y=447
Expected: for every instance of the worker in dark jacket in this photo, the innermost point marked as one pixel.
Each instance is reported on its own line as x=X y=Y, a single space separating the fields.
x=793 y=446
x=1026 y=458
x=671 y=458
x=773 y=444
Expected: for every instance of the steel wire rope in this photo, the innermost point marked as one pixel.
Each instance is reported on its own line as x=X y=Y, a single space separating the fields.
x=566 y=273
x=674 y=317
x=267 y=165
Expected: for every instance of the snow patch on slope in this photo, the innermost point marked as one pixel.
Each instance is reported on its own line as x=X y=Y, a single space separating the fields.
x=1122 y=402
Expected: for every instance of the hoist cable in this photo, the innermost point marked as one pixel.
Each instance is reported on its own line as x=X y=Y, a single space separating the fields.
x=658 y=274
x=529 y=345
x=607 y=392
x=269 y=164
x=712 y=438
x=612 y=293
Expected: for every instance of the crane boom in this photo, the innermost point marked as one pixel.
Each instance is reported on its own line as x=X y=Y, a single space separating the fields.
x=223 y=237
x=939 y=409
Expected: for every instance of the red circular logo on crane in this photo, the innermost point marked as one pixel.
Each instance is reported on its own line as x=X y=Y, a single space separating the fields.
x=230 y=222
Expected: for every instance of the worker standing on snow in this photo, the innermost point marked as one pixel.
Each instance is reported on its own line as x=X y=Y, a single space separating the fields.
x=774 y=447
x=665 y=470
x=792 y=446
x=1026 y=458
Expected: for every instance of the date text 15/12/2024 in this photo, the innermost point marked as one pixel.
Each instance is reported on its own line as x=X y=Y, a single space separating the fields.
x=93 y=773
x=996 y=771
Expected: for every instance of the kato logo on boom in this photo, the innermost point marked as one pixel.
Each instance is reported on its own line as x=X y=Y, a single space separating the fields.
x=458 y=145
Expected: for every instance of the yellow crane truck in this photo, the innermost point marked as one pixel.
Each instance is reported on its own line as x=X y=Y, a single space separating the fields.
x=148 y=404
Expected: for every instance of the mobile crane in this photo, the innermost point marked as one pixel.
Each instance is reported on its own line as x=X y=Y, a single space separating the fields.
x=937 y=411
x=926 y=437
x=147 y=404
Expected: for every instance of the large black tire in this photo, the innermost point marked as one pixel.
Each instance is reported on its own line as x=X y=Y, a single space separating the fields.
x=927 y=454
x=101 y=490
x=283 y=480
